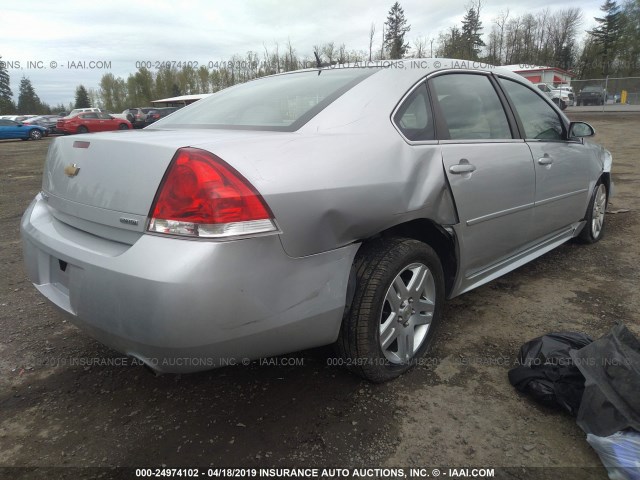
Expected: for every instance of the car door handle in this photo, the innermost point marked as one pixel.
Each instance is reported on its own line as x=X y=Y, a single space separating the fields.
x=546 y=160
x=462 y=168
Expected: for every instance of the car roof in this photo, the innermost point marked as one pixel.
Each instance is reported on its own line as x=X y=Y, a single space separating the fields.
x=363 y=104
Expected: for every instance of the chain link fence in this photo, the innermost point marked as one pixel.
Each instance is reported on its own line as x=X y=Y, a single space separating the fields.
x=609 y=90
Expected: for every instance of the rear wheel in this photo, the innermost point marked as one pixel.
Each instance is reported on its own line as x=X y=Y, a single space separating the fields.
x=123 y=126
x=82 y=129
x=593 y=231
x=395 y=309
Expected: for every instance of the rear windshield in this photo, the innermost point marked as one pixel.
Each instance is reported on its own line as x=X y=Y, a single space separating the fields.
x=281 y=103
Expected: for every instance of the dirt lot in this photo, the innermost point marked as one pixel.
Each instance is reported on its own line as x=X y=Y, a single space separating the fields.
x=458 y=411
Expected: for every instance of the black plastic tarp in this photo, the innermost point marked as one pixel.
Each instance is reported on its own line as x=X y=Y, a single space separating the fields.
x=611 y=367
x=546 y=371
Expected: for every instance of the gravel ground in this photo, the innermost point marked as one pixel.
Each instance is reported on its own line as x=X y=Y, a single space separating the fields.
x=456 y=410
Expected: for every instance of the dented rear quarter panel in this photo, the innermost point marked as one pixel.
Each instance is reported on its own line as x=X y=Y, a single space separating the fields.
x=347 y=174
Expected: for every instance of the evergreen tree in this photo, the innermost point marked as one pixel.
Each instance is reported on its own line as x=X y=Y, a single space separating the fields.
x=396 y=29
x=608 y=32
x=452 y=44
x=6 y=101
x=629 y=51
x=82 y=97
x=5 y=88
x=472 y=32
x=28 y=101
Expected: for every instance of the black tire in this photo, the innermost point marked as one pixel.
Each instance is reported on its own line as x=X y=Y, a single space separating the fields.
x=123 y=126
x=377 y=265
x=35 y=134
x=591 y=233
x=82 y=129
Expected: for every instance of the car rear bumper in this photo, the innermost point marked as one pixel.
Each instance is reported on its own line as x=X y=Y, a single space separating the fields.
x=187 y=305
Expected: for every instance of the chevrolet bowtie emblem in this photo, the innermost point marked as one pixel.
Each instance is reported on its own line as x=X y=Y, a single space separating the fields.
x=71 y=170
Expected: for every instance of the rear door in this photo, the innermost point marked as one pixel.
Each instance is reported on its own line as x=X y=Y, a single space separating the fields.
x=490 y=171
x=561 y=166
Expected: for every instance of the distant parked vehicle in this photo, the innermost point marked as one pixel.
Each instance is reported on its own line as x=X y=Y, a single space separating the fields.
x=13 y=129
x=47 y=121
x=138 y=116
x=122 y=115
x=568 y=90
x=158 y=113
x=92 y=122
x=17 y=118
x=592 y=95
x=76 y=111
x=558 y=96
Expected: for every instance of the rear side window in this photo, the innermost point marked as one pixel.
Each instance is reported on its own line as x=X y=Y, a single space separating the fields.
x=281 y=103
x=471 y=107
x=414 y=117
x=539 y=119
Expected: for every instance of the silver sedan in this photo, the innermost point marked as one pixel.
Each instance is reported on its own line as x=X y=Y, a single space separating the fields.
x=327 y=206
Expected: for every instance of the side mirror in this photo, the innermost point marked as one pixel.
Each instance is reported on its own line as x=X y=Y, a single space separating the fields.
x=580 y=129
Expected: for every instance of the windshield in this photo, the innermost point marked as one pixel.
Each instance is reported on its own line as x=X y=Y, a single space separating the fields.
x=281 y=103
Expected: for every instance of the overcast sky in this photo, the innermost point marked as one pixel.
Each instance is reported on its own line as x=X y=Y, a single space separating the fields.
x=123 y=32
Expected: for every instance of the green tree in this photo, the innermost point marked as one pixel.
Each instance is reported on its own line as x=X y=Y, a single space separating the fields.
x=6 y=95
x=59 y=108
x=608 y=32
x=7 y=107
x=144 y=86
x=188 y=80
x=472 y=32
x=396 y=29
x=28 y=101
x=113 y=92
x=203 y=79
x=451 y=44
x=82 y=97
x=5 y=87
x=629 y=56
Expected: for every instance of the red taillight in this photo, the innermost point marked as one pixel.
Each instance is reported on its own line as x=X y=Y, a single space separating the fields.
x=202 y=196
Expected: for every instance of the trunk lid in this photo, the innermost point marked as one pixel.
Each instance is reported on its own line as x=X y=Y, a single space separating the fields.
x=105 y=183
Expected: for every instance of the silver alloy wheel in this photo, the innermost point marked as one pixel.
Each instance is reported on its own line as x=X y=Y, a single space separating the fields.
x=599 y=207
x=407 y=313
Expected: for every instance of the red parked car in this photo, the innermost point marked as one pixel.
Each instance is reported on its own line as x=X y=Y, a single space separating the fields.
x=92 y=122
